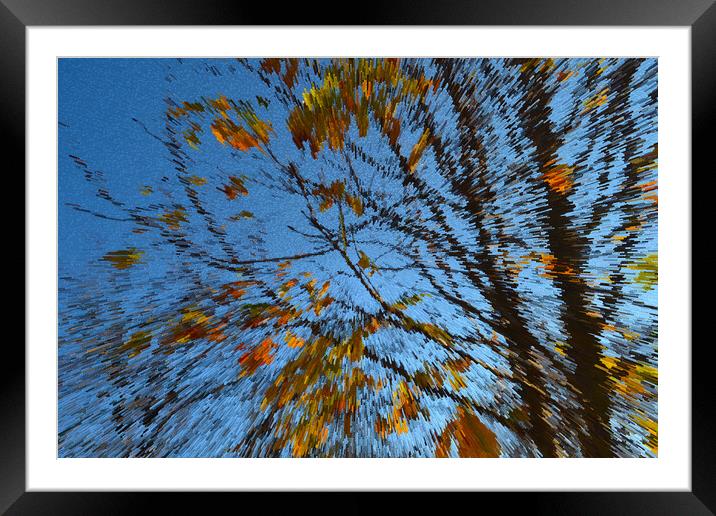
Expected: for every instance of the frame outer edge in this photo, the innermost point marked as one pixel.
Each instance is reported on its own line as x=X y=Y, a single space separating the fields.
x=702 y=13
x=12 y=380
x=703 y=112
x=395 y=12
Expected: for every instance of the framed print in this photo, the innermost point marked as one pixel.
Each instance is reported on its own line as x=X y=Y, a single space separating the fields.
x=437 y=249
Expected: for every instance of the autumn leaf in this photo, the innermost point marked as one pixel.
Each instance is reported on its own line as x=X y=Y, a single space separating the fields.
x=329 y=194
x=355 y=204
x=553 y=268
x=652 y=428
x=256 y=314
x=138 y=342
x=562 y=348
x=559 y=178
x=356 y=346
x=259 y=356
x=234 y=187
x=407 y=300
x=123 y=259
x=236 y=124
x=645 y=163
x=628 y=377
x=353 y=89
x=596 y=100
x=364 y=261
x=173 y=219
x=405 y=408
x=470 y=435
x=196 y=180
x=324 y=289
x=563 y=76
x=244 y=214
x=193 y=324
x=191 y=135
x=186 y=108
x=234 y=290
x=430 y=330
x=236 y=136
x=293 y=341
x=289 y=66
x=648 y=268
x=418 y=150
x=283 y=289
x=455 y=368
x=322 y=303
x=221 y=104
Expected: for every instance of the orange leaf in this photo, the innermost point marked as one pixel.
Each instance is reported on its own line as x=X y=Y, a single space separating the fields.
x=234 y=187
x=471 y=436
x=257 y=357
x=559 y=178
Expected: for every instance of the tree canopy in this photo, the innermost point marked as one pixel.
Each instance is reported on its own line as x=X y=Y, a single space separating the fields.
x=359 y=258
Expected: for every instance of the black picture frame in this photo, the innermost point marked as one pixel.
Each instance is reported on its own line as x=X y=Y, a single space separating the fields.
x=16 y=15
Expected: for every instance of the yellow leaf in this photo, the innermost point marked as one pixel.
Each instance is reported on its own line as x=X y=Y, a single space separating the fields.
x=356 y=204
x=123 y=259
x=648 y=268
x=418 y=150
x=196 y=180
x=293 y=341
x=596 y=101
x=138 y=342
x=242 y=215
x=173 y=219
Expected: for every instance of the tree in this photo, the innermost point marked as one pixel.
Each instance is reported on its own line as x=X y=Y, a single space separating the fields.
x=382 y=257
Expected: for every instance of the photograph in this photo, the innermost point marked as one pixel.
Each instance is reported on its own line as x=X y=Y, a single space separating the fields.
x=358 y=257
